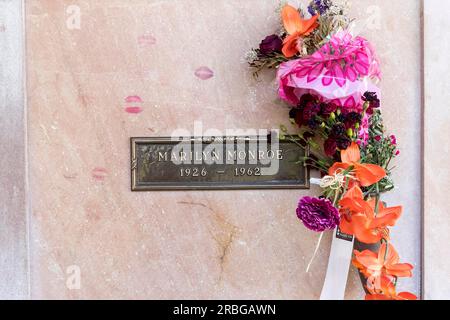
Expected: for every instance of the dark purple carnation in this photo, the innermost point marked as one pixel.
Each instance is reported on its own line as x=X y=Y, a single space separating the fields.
x=318 y=214
x=374 y=102
x=310 y=110
x=326 y=109
x=299 y=119
x=343 y=143
x=330 y=147
x=338 y=131
x=271 y=44
x=351 y=119
x=307 y=98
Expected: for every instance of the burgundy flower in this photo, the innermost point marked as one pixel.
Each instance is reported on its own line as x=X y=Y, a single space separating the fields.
x=338 y=131
x=299 y=119
x=271 y=44
x=351 y=119
x=374 y=102
x=310 y=110
x=326 y=109
x=318 y=214
x=307 y=98
x=343 y=143
x=330 y=147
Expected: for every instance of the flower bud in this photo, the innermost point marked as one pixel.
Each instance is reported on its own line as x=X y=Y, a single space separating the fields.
x=350 y=132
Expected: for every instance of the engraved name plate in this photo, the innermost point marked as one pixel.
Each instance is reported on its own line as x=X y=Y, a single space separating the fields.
x=218 y=163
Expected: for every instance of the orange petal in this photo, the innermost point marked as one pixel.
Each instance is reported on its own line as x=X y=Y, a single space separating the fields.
x=346 y=226
x=377 y=297
x=363 y=233
x=354 y=192
x=367 y=259
x=354 y=205
x=309 y=25
x=337 y=166
x=387 y=217
x=290 y=46
x=352 y=154
x=368 y=174
x=406 y=296
x=391 y=257
x=400 y=270
x=291 y=19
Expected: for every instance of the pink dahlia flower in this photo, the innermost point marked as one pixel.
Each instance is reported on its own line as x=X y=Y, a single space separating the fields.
x=341 y=71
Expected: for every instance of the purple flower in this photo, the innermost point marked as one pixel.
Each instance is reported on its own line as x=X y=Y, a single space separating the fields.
x=271 y=44
x=374 y=102
x=326 y=109
x=318 y=214
x=310 y=110
x=330 y=147
x=319 y=7
x=307 y=98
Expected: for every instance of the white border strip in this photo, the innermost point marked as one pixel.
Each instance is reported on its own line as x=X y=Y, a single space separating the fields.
x=14 y=259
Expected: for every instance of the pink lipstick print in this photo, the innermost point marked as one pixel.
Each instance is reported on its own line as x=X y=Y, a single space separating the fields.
x=204 y=73
x=146 y=40
x=99 y=173
x=132 y=104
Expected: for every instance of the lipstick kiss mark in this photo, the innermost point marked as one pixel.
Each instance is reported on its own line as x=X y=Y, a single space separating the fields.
x=131 y=99
x=146 y=40
x=133 y=109
x=99 y=174
x=204 y=73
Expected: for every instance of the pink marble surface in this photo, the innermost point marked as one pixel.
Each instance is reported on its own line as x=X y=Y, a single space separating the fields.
x=184 y=59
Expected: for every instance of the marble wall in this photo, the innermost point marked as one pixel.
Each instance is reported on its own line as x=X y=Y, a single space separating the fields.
x=436 y=151
x=100 y=72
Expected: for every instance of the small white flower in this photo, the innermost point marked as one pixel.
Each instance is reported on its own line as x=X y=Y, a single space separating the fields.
x=251 y=56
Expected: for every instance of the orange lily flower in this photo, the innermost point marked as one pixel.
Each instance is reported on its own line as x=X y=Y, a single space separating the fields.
x=297 y=28
x=352 y=204
x=358 y=217
x=378 y=268
x=388 y=292
x=366 y=174
x=400 y=296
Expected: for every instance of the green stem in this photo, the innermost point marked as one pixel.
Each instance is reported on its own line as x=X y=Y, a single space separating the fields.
x=377 y=198
x=335 y=198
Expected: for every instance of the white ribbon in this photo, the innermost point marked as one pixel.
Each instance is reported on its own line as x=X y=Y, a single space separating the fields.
x=340 y=253
x=337 y=270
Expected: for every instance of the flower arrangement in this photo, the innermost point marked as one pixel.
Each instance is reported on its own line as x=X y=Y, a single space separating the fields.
x=329 y=78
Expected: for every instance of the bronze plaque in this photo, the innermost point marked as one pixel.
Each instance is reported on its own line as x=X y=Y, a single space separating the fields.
x=217 y=163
